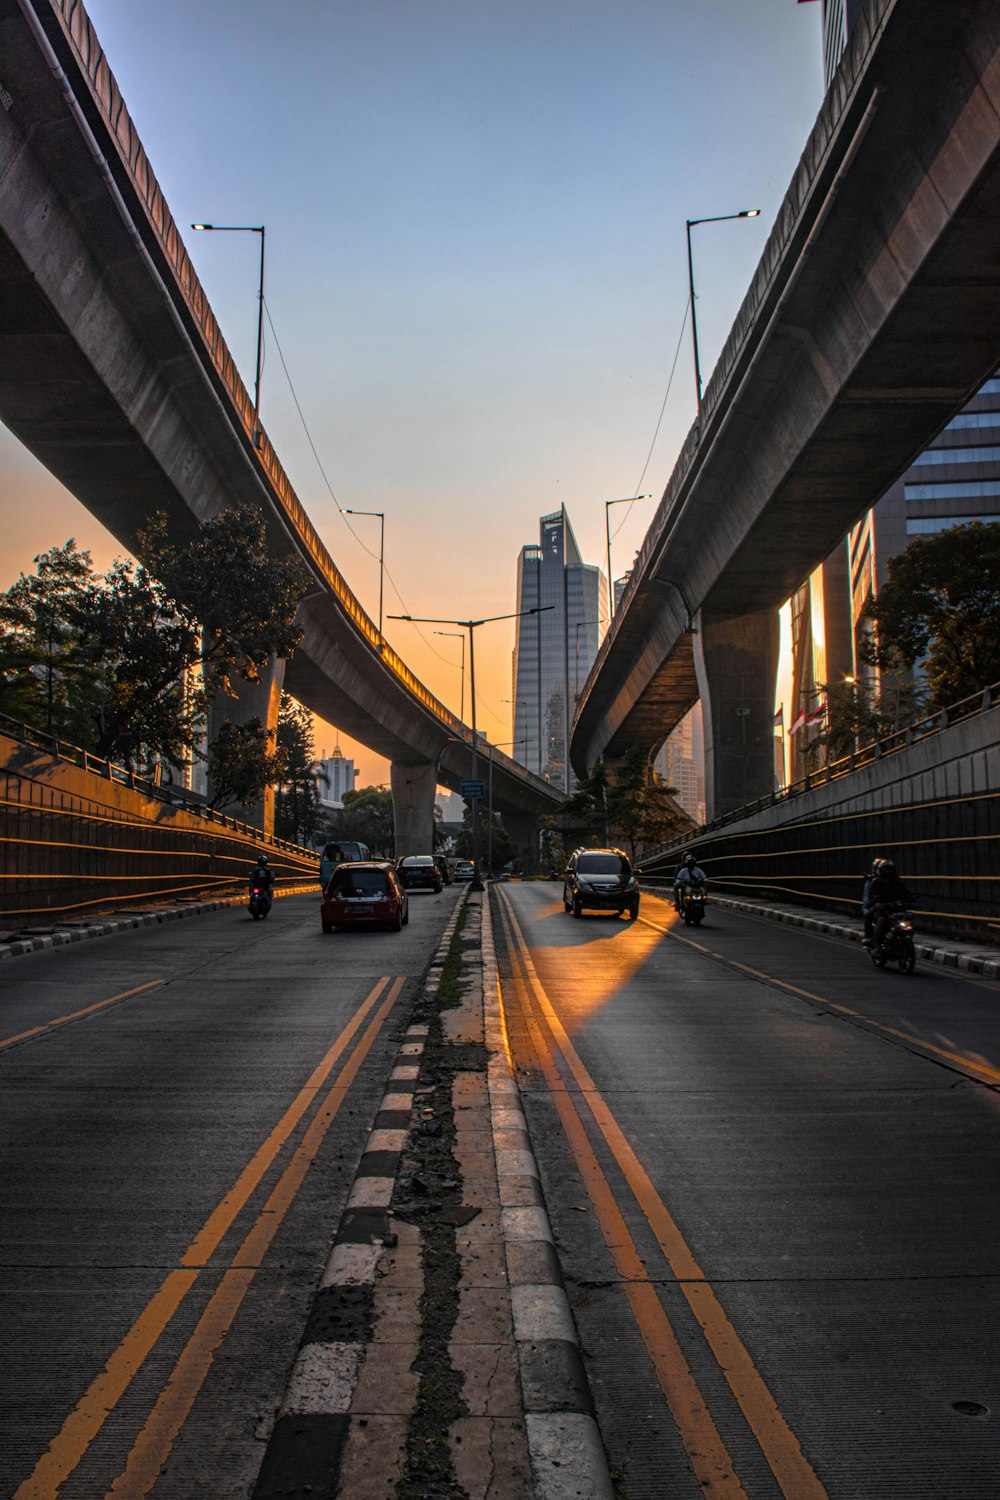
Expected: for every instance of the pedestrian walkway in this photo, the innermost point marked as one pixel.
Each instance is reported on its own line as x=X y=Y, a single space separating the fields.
x=441 y=1350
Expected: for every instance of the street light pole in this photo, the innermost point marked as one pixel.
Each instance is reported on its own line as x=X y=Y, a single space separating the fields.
x=470 y=626
x=744 y=213
x=582 y=625
x=249 y=229
x=459 y=636
x=625 y=500
x=504 y=745
x=381 y=555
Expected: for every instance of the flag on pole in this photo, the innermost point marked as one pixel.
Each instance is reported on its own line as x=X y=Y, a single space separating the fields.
x=816 y=715
x=801 y=719
x=779 y=717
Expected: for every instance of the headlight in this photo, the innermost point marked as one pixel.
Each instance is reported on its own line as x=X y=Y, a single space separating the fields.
x=630 y=885
x=584 y=885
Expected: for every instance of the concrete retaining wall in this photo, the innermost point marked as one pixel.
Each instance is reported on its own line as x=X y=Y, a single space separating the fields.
x=933 y=806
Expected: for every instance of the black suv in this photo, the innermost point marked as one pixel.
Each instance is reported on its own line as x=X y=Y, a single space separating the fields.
x=602 y=879
x=419 y=872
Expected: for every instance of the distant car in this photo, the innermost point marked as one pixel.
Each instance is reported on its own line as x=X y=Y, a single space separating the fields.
x=364 y=894
x=444 y=867
x=339 y=852
x=465 y=870
x=602 y=880
x=419 y=872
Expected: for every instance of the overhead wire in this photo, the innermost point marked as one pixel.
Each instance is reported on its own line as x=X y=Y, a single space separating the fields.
x=659 y=421
x=500 y=718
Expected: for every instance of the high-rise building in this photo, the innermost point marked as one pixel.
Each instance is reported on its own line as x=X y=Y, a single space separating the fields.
x=337 y=776
x=681 y=763
x=554 y=650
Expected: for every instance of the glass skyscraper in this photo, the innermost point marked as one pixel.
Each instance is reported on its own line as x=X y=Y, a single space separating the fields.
x=553 y=651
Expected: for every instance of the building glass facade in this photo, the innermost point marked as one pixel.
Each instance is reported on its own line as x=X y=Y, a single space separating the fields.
x=553 y=651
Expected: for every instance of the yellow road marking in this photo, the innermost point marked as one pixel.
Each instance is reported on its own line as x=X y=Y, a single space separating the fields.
x=781 y=1449
x=793 y=989
x=707 y=1453
x=76 y=1014
x=154 y=1443
x=87 y=1418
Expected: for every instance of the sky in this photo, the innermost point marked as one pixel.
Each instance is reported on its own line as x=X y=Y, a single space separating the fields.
x=476 y=266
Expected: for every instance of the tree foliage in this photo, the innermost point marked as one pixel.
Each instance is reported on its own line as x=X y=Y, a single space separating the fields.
x=297 y=811
x=45 y=678
x=940 y=607
x=862 y=712
x=241 y=764
x=503 y=849
x=629 y=802
x=368 y=815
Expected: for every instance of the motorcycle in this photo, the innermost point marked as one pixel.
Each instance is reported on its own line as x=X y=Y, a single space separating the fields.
x=693 y=902
x=260 y=902
x=896 y=944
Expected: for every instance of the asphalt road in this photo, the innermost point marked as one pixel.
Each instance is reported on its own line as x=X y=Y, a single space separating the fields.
x=183 y=1108
x=772 y=1174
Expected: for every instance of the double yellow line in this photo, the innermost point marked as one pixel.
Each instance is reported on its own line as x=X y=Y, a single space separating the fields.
x=710 y=1460
x=155 y=1440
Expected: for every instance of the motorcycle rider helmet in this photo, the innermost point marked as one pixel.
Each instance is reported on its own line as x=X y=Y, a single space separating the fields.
x=877 y=866
x=690 y=860
x=887 y=867
x=262 y=859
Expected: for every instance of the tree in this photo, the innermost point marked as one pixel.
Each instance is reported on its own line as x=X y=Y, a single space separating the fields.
x=940 y=607
x=45 y=679
x=861 y=712
x=368 y=815
x=640 y=807
x=169 y=634
x=503 y=845
x=297 y=812
x=552 y=847
x=240 y=764
x=590 y=799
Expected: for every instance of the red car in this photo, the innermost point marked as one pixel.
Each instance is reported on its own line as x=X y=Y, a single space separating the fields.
x=364 y=895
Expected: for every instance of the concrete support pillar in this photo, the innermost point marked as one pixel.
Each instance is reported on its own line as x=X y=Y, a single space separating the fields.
x=736 y=660
x=523 y=830
x=413 y=789
x=252 y=700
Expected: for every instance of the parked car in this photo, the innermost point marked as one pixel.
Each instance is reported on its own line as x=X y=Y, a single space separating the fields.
x=465 y=870
x=444 y=867
x=601 y=880
x=419 y=872
x=360 y=894
x=340 y=852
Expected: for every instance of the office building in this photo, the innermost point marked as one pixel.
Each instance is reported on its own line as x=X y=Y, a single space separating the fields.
x=554 y=650
x=337 y=776
x=681 y=764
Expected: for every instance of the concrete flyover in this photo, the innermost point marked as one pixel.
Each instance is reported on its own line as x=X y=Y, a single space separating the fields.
x=114 y=373
x=873 y=316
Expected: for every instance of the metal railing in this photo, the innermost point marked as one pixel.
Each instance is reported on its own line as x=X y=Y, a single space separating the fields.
x=846 y=765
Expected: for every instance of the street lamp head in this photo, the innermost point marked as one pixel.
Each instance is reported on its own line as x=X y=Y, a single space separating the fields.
x=749 y=213
x=202 y=226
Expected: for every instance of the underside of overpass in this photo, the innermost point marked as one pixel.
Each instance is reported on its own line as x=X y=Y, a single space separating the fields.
x=873 y=317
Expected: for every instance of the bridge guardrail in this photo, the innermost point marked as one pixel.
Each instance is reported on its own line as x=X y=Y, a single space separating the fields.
x=81 y=834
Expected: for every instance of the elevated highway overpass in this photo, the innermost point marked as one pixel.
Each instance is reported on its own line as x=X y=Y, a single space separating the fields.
x=114 y=373
x=872 y=318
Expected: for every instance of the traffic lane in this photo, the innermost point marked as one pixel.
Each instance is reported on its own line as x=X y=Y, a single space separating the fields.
x=949 y=1013
x=124 y=1131
x=837 y=1192
x=783 y=1101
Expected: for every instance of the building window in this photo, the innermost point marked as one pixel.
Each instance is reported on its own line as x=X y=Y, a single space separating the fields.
x=974 y=419
x=959 y=489
x=957 y=456
x=929 y=525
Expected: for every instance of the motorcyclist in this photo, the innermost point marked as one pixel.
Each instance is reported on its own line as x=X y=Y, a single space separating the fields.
x=262 y=876
x=689 y=872
x=867 y=910
x=886 y=892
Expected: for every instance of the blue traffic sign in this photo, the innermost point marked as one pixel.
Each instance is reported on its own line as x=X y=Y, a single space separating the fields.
x=473 y=789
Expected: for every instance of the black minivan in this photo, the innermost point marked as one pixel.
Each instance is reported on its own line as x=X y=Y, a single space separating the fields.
x=602 y=880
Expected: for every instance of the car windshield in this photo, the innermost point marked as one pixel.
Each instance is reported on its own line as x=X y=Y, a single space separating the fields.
x=349 y=882
x=602 y=864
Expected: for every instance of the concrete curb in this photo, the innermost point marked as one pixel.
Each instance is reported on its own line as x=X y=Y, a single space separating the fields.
x=115 y=925
x=564 y=1443
x=305 y=1449
x=967 y=961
